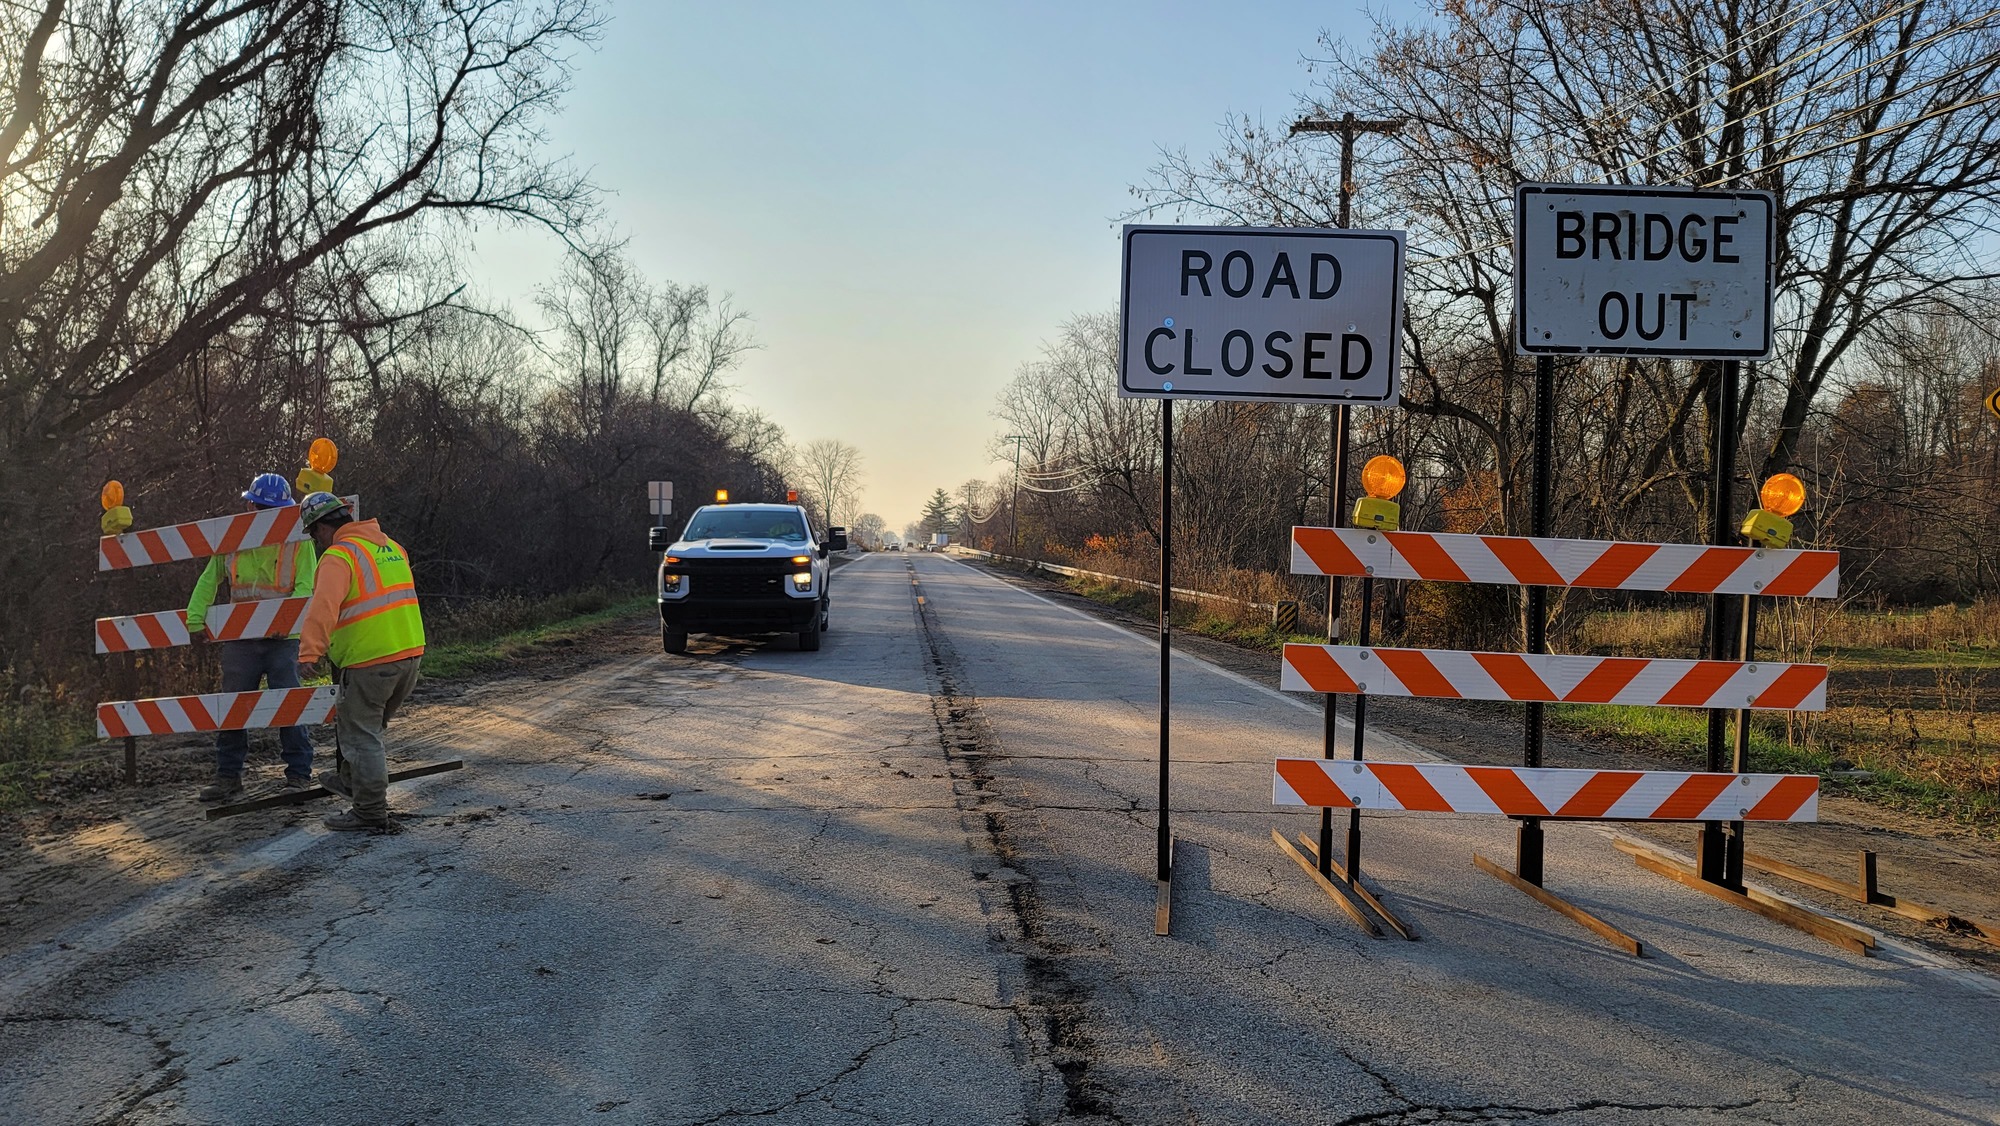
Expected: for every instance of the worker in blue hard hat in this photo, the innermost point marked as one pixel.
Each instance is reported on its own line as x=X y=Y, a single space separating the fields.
x=253 y=575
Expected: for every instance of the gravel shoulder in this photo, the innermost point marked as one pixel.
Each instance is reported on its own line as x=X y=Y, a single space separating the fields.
x=1935 y=864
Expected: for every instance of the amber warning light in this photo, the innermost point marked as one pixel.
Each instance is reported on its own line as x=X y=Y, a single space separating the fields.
x=1382 y=478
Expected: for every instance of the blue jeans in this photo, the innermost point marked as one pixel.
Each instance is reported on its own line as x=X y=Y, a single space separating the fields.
x=244 y=664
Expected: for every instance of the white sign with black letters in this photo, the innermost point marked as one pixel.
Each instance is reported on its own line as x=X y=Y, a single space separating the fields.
x=1282 y=314
x=1640 y=271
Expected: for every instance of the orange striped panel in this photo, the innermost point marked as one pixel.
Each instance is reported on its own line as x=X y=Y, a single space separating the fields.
x=1701 y=683
x=1607 y=680
x=1410 y=787
x=1523 y=560
x=151 y=629
x=1785 y=799
x=1713 y=566
x=240 y=710
x=234 y=533
x=112 y=722
x=1693 y=796
x=114 y=552
x=196 y=709
x=1425 y=557
x=156 y=548
x=1507 y=791
x=1419 y=676
x=153 y=719
x=1312 y=785
x=1318 y=668
x=1792 y=687
x=1511 y=672
x=294 y=706
x=1616 y=565
x=1600 y=793
x=1326 y=551
x=1804 y=573
x=108 y=637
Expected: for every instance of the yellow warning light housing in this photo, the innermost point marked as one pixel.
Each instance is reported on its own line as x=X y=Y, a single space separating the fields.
x=1383 y=477
x=1379 y=513
x=116 y=516
x=1781 y=496
x=722 y=496
x=312 y=481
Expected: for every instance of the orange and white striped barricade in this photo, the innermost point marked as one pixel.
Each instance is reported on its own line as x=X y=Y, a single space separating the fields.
x=216 y=711
x=1441 y=674
x=1596 y=564
x=1547 y=792
x=227 y=621
x=198 y=539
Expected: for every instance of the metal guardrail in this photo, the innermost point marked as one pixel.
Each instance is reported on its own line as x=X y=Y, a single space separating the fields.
x=1080 y=573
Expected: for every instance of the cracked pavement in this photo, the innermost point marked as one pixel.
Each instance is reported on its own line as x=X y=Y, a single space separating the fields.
x=908 y=879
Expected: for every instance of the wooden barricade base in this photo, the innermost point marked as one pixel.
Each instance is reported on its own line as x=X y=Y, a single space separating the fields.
x=1360 y=889
x=1334 y=891
x=300 y=797
x=1163 y=893
x=1563 y=907
x=1865 y=891
x=1831 y=930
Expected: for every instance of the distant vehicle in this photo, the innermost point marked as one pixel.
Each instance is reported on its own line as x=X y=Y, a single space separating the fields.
x=938 y=541
x=893 y=546
x=745 y=568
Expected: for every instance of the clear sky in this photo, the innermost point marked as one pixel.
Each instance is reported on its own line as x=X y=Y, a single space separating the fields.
x=907 y=197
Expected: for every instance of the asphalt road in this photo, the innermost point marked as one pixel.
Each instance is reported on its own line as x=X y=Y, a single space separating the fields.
x=908 y=879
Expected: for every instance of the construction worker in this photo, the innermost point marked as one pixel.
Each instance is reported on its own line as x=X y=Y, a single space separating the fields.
x=364 y=618
x=279 y=571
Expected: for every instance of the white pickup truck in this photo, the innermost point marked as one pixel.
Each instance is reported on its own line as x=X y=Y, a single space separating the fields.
x=745 y=568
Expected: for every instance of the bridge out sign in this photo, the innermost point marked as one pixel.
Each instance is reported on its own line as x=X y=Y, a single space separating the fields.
x=1281 y=314
x=1643 y=271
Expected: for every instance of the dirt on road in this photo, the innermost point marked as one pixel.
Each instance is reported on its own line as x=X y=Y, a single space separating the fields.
x=94 y=844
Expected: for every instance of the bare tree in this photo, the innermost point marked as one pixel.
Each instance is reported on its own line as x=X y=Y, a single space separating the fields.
x=831 y=472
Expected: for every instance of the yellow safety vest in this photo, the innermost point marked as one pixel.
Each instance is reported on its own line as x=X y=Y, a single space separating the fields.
x=379 y=616
x=264 y=572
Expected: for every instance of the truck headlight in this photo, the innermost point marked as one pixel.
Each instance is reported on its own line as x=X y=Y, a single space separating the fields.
x=802 y=581
x=670 y=583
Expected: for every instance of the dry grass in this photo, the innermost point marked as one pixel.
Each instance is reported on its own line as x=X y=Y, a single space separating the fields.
x=1906 y=699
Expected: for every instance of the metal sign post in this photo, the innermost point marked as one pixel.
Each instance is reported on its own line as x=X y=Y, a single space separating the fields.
x=1279 y=314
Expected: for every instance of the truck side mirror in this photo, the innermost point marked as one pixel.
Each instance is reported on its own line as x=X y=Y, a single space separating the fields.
x=836 y=538
x=659 y=539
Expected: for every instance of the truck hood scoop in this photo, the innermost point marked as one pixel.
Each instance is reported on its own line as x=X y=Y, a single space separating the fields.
x=750 y=545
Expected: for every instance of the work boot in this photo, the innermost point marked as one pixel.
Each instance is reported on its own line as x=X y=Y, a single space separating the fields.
x=348 y=821
x=224 y=787
x=335 y=784
x=297 y=783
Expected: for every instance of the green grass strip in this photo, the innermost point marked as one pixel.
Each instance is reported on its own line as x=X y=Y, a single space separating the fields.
x=466 y=656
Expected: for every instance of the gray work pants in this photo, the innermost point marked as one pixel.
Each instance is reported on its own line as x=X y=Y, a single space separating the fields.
x=369 y=698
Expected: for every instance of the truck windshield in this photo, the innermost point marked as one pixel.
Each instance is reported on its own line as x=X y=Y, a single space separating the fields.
x=723 y=523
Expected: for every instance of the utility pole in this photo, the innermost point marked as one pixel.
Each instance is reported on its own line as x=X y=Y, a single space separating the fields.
x=1349 y=127
x=1014 y=509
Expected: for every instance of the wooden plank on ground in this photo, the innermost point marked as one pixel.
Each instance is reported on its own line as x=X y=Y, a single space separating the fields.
x=1332 y=889
x=1771 y=907
x=1563 y=907
x=300 y=797
x=1311 y=848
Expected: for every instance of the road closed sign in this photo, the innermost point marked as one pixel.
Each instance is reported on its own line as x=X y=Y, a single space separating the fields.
x=1627 y=271
x=1280 y=314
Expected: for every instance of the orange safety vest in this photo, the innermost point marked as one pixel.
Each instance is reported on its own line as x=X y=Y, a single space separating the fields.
x=379 y=617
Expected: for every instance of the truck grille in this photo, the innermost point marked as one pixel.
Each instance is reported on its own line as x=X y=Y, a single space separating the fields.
x=733 y=580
